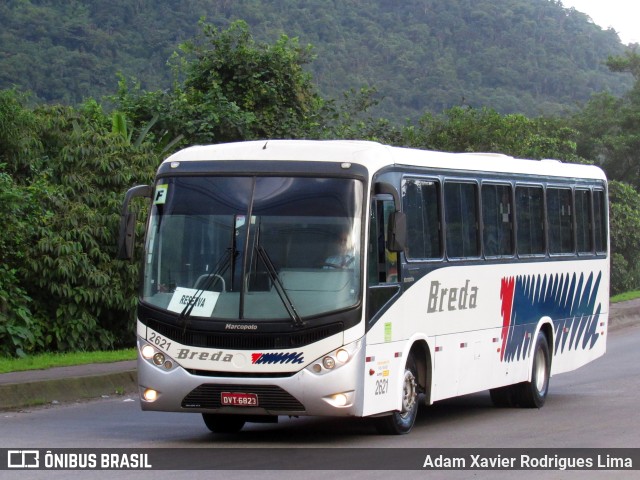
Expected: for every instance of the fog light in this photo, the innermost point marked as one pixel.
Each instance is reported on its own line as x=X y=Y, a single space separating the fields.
x=340 y=399
x=317 y=368
x=148 y=351
x=328 y=363
x=158 y=358
x=168 y=365
x=150 y=395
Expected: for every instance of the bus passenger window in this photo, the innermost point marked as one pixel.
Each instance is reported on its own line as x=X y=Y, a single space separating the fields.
x=421 y=204
x=497 y=216
x=530 y=220
x=559 y=216
x=461 y=219
x=600 y=220
x=583 y=221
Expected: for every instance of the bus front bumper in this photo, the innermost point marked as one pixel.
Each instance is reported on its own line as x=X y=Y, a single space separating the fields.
x=333 y=392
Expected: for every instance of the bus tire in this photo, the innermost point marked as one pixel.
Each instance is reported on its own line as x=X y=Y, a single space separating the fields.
x=218 y=423
x=502 y=397
x=534 y=393
x=400 y=423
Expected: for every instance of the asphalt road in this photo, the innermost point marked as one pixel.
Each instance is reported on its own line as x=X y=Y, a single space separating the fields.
x=594 y=407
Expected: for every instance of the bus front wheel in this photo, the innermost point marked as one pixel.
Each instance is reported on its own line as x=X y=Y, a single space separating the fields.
x=400 y=423
x=223 y=423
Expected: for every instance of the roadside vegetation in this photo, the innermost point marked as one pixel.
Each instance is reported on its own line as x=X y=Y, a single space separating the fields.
x=625 y=297
x=64 y=171
x=527 y=56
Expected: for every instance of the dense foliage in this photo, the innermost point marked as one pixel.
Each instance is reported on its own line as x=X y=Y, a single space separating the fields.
x=609 y=133
x=60 y=287
x=228 y=87
x=64 y=170
x=515 y=56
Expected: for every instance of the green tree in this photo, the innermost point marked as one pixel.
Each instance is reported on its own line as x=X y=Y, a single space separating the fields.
x=20 y=145
x=464 y=129
x=609 y=133
x=422 y=55
x=228 y=87
x=62 y=288
x=20 y=196
x=19 y=332
x=85 y=295
x=625 y=242
x=63 y=173
x=610 y=127
x=629 y=62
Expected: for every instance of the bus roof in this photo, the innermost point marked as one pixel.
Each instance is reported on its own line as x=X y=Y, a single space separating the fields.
x=375 y=156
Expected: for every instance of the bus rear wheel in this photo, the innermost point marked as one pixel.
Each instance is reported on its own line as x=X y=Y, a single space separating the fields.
x=528 y=394
x=400 y=423
x=218 y=423
x=534 y=393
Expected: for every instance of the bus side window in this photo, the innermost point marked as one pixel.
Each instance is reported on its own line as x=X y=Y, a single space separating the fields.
x=560 y=220
x=584 y=221
x=600 y=220
x=461 y=219
x=530 y=220
x=421 y=204
x=497 y=217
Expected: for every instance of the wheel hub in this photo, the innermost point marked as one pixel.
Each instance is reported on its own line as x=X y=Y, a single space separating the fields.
x=410 y=392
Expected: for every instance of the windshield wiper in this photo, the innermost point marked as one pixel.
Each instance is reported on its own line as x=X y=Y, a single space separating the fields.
x=282 y=293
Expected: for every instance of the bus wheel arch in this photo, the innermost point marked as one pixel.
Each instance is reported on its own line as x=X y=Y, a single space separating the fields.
x=547 y=329
x=422 y=355
x=416 y=378
x=531 y=393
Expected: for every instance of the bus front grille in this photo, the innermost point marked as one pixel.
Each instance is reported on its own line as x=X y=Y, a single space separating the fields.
x=270 y=397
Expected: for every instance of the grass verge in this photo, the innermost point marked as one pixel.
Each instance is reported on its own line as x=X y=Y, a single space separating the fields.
x=623 y=297
x=49 y=360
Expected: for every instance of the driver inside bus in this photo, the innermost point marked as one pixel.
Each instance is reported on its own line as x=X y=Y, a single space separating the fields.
x=342 y=256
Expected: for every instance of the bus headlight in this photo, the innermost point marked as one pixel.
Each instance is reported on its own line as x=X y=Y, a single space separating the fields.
x=342 y=356
x=335 y=359
x=328 y=363
x=148 y=352
x=154 y=356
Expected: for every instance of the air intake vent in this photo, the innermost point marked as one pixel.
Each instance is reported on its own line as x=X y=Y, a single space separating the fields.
x=270 y=397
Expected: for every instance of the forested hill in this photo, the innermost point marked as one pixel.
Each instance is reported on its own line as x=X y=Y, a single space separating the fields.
x=529 y=56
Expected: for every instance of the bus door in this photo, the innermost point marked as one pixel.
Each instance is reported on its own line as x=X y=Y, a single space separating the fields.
x=383 y=269
x=382 y=370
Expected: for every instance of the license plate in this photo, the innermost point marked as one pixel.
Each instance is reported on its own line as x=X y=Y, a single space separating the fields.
x=239 y=399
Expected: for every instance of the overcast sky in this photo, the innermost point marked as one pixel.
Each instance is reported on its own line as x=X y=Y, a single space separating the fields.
x=622 y=15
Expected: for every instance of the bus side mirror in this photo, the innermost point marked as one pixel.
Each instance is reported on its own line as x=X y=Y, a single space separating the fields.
x=127 y=234
x=397 y=232
x=397 y=226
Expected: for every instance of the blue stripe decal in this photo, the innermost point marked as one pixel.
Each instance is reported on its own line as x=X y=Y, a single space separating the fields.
x=569 y=300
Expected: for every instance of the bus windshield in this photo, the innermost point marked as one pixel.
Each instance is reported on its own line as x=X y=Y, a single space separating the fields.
x=252 y=248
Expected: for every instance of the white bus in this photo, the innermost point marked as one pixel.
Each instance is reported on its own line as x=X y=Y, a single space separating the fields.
x=350 y=278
